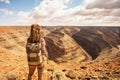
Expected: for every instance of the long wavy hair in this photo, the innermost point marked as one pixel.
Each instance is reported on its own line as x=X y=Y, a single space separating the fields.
x=35 y=34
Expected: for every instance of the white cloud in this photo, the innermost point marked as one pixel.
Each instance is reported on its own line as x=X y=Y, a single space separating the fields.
x=6 y=12
x=23 y=18
x=56 y=12
x=116 y=12
x=47 y=8
x=23 y=14
x=6 y=1
x=105 y=4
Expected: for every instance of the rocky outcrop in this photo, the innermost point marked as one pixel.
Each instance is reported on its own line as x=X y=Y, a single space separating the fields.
x=94 y=40
x=13 y=42
x=62 y=48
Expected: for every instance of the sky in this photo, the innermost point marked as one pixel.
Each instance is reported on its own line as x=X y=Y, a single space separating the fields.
x=60 y=12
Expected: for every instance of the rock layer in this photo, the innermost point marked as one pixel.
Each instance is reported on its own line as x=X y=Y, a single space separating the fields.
x=62 y=48
x=95 y=40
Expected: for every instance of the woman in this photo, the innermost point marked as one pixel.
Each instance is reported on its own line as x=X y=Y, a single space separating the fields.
x=36 y=51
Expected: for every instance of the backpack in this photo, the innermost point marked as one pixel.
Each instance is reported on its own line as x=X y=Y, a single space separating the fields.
x=33 y=56
x=32 y=48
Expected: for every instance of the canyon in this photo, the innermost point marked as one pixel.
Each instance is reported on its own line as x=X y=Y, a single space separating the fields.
x=75 y=53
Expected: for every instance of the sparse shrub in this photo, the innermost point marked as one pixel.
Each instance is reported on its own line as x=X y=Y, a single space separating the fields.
x=11 y=76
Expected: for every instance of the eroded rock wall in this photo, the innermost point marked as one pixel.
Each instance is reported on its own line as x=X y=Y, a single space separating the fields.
x=94 y=40
x=62 y=48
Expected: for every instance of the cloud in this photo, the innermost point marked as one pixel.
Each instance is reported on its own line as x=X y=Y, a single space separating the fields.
x=6 y=1
x=47 y=8
x=116 y=12
x=56 y=12
x=105 y=4
x=23 y=18
x=97 y=12
x=23 y=14
x=6 y=12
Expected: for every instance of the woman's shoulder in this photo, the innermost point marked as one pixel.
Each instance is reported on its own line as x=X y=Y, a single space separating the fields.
x=42 y=39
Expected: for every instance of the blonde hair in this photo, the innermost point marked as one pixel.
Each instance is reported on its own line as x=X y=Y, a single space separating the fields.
x=35 y=34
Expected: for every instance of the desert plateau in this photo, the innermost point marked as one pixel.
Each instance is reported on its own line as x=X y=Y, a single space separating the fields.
x=75 y=53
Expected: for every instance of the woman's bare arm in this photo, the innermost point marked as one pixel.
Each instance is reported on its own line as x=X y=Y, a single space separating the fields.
x=43 y=47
